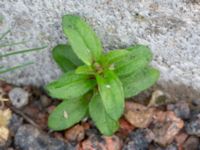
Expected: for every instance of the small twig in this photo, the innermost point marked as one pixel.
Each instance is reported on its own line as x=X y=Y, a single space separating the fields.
x=1 y=105
x=26 y=117
x=2 y=100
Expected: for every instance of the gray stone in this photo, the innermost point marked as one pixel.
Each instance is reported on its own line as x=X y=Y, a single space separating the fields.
x=192 y=143
x=45 y=101
x=30 y=138
x=168 y=147
x=196 y=102
x=181 y=109
x=193 y=126
x=18 y=97
x=15 y=123
x=138 y=140
x=171 y=29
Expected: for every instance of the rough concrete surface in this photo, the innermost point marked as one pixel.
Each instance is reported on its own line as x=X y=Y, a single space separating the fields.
x=171 y=28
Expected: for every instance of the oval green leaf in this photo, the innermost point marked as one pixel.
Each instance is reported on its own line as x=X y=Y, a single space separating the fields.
x=129 y=60
x=102 y=120
x=114 y=56
x=65 y=57
x=87 y=70
x=82 y=38
x=112 y=95
x=139 y=81
x=67 y=114
x=70 y=85
x=130 y=65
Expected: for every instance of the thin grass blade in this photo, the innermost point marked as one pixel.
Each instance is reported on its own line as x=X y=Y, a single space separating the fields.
x=4 y=34
x=12 y=44
x=22 y=51
x=14 y=68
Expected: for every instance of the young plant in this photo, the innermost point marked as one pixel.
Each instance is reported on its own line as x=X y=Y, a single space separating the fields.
x=95 y=83
x=3 y=45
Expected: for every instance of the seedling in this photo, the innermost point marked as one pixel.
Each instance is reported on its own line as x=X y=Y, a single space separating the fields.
x=96 y=83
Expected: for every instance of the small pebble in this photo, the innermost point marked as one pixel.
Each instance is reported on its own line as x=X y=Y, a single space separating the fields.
x=15 y=122
x=76 y=133
x=30 y=138
x=138 y=115
x=113 y=142
x=192 y=143
x=138 y=140
x=125 y=128
x=196 y=102
x=96 y=141
x=45 y=101
x=166 y=128
x=58 y=136
x=193 y=126
x=93 y=142
x=19 y=97
x=181 y=109
x=168 y=147
x=180 y=138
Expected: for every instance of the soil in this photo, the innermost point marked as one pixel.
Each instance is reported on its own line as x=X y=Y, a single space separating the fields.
x=153 y=123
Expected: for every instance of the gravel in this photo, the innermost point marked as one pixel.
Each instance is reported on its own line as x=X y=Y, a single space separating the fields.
x=15 y=123
x=181 y=109
x=169 y=147
x=19 y=97
x=192 y=143
x=193 y=126
x=30 y=138
x=138 y=140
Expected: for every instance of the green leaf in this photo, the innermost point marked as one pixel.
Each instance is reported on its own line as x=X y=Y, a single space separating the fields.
x=82 y=38
x=137 y=59
x=131 y=65
x=115 y=56
x=139 y=81
x=65 y=57
x=67 y=114
x=85 y=70
x=70 y=85
x=129 y=60
x=112 y=57
x=112 y=95
x=102 y=120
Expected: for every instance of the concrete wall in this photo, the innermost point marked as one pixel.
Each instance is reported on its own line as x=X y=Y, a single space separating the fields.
x=170 y=27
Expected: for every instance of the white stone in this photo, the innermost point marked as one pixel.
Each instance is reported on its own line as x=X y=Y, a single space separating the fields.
x=171 y=28
x=18 y=97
